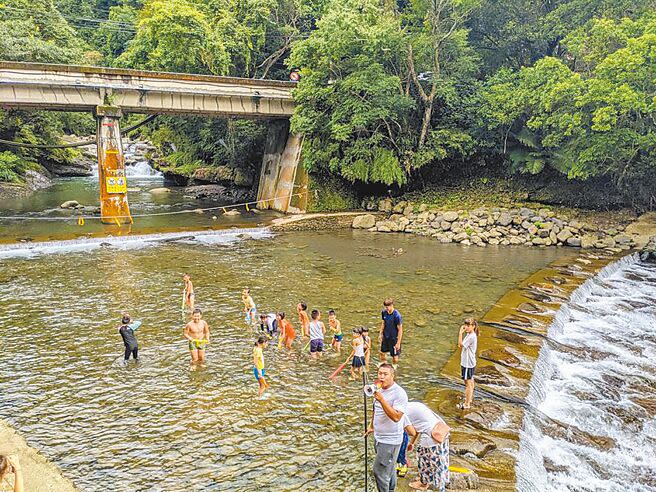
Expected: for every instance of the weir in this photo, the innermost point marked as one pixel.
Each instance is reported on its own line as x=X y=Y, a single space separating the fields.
x=109 y=93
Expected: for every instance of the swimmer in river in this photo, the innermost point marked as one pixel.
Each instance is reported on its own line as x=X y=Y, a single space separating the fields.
x=189 y=296
x=336 y=328
x=258 y=364
x=126 y=330
x=357 y=353
x=249 y=307
x=197 y=332
x=303 y=318
x=317 y=331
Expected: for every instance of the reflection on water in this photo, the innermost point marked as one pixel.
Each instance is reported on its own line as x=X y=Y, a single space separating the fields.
x=42 y=211
x=158 y=426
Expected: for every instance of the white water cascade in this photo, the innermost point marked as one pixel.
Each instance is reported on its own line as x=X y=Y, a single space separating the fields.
x=136 y=165
x=595 y=424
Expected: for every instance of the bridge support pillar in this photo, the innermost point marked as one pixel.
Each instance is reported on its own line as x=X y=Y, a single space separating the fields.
x=283 y=183
x=114 y=207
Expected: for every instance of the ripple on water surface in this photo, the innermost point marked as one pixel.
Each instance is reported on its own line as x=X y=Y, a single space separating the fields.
x=158 y=426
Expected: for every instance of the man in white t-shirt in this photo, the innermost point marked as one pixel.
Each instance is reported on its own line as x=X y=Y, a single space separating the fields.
x=387 y=426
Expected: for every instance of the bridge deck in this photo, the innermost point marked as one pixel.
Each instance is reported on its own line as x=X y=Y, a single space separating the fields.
x=78 y=88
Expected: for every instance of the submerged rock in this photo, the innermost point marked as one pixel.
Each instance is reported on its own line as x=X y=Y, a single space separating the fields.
x=70 y=204
x=462 y=444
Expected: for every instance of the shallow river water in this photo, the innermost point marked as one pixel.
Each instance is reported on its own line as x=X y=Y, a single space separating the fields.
x=159 y=426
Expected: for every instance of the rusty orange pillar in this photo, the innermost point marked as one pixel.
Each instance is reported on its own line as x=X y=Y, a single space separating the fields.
x=114 y=208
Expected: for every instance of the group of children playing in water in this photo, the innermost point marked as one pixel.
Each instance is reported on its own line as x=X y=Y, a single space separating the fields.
x=197 y=334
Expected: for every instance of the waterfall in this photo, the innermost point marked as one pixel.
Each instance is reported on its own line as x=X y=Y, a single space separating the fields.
x=594 y=428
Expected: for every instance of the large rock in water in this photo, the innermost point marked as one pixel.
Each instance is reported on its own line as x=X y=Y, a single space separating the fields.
x=70 y=204
x=364 y=222
x=159 y=191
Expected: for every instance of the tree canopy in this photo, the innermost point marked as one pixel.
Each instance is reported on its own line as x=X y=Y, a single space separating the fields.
x=392 y=91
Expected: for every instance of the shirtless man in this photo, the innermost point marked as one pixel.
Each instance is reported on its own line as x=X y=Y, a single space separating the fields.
x=189 y=296
x=249 y=306
x=303 y=318
x=197 y=332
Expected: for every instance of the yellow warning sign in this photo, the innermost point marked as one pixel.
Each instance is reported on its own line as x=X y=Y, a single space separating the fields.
x=116 y=184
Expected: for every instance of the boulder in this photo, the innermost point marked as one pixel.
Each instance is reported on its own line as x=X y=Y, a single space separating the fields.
x=460 y=237
x=450 y=216
x=364 y=221
x=70 y=204
x=385 y=205
x=399 y=207
x=564 y=235
x=232 y=213
x=574 y=242
x=408 y=210
x=588 y=241
x=384 y=226
x=504 y=219
x=158 y=191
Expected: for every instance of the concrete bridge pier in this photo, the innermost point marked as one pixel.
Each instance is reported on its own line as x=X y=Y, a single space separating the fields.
x=114 y=208
x=281 y=178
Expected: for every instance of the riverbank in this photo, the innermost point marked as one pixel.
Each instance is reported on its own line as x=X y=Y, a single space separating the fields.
x=39 y=474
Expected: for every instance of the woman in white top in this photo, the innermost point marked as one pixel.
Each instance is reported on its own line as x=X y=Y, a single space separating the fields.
x=9 y=465
x=433 y=447
x=468 y=345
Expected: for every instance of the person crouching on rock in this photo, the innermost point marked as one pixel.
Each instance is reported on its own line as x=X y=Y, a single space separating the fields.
x=8 y=465
x=127 y=329
x=468 y=343
x=433 y=447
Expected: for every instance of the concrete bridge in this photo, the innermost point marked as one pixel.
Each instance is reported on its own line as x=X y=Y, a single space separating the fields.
x=109 y=92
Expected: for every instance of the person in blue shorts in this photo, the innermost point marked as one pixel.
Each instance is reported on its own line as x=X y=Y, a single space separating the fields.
x=336 y=328
x=258 y=364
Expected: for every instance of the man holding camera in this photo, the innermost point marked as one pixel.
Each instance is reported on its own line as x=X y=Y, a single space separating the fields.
x=387 y=426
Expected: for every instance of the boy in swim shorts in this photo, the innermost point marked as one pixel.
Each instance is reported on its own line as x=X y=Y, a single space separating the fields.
x=249 y=307
x=336 y=328
x=189 y=296
x=197 y=332
x=258 y=364
x=317 y=331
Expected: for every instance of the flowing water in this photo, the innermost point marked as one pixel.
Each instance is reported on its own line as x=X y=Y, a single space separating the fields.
x=596 y=425
x=157 y=425
x=39 y=217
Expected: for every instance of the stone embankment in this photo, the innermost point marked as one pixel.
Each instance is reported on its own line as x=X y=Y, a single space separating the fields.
x=494 y=226
x=39 y=474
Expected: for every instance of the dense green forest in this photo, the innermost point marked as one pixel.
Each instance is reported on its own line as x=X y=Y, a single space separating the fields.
x=393 y=93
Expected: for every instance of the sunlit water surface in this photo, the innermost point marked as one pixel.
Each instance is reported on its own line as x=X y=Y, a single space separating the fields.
x=159 y=426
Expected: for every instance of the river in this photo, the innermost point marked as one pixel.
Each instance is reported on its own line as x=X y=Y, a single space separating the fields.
x=158 y=426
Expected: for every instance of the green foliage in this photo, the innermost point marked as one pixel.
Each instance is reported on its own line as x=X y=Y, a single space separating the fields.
x=590 y=118
x=328 y=194
x=12 y=167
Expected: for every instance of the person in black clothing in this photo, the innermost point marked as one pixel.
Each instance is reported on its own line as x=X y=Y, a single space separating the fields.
x=127 y=329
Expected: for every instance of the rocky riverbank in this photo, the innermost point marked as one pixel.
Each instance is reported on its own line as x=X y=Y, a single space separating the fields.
x=498 y=226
